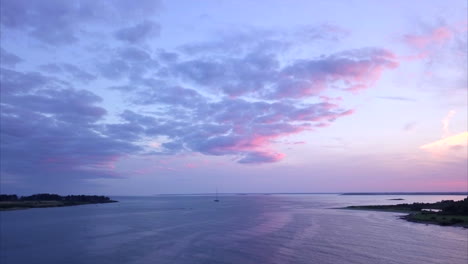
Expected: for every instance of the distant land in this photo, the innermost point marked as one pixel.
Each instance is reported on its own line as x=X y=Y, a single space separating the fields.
x=13 y=202
x=445 y=213
x=302 y=193
x=405 y=193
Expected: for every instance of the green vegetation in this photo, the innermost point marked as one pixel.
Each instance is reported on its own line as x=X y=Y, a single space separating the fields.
x=436 y=218
x=445 y=213
x=12 y=202
x=406 y=193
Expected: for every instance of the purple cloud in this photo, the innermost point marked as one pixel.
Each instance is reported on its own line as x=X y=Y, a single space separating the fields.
x=261 y=75
x=231 y=126
x=51 y=131
x=256 y=157
x=232 y=76
x=8 y=59
x=14 y=81
x=70 y=70
x=240 y=103
x=397 y=98
x=256 y=40
x=235 y=96
x=138 y=33
x=357 y=69
x=57 y=22
x=126 y=63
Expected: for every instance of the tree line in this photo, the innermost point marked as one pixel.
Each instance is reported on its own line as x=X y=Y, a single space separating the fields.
x=56 y=197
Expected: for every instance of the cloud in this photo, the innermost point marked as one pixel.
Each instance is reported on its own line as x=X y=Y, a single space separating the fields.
x=441 y=146
x=128 y=63
x=446 y=123
x=397 y=98
x=57 y=22
x=241 y=104
x=15 y=81
x=67 y=105
x=237 y=96
x=260 y=74
x=237 y=104
x=230 y=75
x=51 y=131
x=139 y=32
x=410 y=126
x=237 y=42
x=356 y=69
x=114 y=69
x=433 y=42
x=437 y=36
x=171 y=96
x=134 y=55
x=168 y=57
x=70 y=70
x=441 y=47
x=261 y=157
x=231 y=126
x=8 y=59
x=321 y=32
x=449 y=143
x=250 y=39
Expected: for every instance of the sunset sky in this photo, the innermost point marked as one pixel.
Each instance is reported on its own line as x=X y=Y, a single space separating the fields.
x=150 y=97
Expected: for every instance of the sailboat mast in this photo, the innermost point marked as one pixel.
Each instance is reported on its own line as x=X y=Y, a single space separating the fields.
x=216 y=200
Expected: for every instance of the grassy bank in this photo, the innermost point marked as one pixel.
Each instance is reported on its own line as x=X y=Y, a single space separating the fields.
x=434 y=218
x=12 y=202
x=445 y=213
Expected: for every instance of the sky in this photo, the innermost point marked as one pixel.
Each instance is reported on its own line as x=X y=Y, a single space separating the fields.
x=163 y=97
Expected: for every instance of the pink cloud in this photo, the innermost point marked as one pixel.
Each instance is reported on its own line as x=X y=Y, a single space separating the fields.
x=151 y=170
x=438 y=36
x=271 y=105
x=191 y=165
x=252 y=127
x=257 y=157
x=296 y=143
x=448 y=143
x=352 y=70
x=428 y=43
x=331 y=99
x=322 y=125
x=254 y=148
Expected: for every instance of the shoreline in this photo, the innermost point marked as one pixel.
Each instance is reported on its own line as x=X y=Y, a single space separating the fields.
x=9 y=202
x=414 y=216
x=23 y=205
x=405 y=193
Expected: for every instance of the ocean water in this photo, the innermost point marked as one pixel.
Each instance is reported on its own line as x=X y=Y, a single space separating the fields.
x=240 y=229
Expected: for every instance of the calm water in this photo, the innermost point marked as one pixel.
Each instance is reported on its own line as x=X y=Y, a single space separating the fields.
x=240 y=229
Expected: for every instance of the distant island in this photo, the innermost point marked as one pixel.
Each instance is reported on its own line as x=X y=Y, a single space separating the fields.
x=406 y=193
x=13 y=202
x=445 y=213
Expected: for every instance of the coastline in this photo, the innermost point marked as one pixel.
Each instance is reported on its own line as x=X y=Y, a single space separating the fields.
x=8 y=206
x=44 y=200
x=417 y=216
x=22 y=205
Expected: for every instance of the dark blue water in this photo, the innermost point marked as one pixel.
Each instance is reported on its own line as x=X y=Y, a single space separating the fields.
x=240 y=229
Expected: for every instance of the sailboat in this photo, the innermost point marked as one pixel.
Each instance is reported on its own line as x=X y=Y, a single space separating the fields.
x=216 y=200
